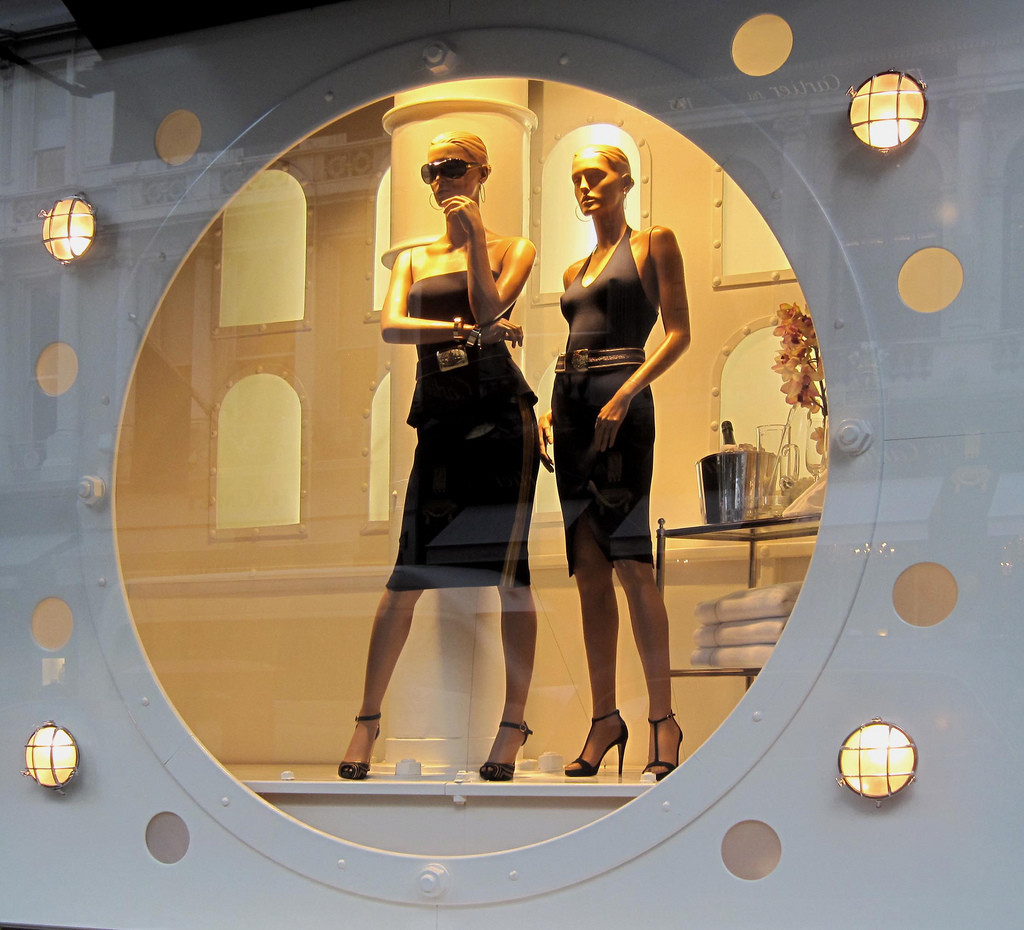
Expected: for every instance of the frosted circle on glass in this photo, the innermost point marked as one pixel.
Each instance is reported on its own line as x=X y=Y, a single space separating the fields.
x=930 y=280
x=924 y=594
x=52 y=623
x=56 y=368
x=762 y=44
x=751 y=850
x=167 y=838
x=178 y=137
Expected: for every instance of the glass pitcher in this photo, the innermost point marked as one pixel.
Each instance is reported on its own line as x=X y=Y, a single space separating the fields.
x=778 y=468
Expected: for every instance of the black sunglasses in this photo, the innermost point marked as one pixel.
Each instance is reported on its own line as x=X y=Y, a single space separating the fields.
x=451 y=168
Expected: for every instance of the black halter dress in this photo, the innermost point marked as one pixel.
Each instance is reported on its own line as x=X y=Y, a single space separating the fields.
x=470 y=496
x=610 y=489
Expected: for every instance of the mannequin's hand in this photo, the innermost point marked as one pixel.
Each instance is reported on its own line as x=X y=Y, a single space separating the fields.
x=466 y=212
x=545 y=436
x=502 y=330
x=609 y=420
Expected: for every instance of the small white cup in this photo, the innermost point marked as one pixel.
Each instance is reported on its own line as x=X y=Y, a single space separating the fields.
x=408 y=768
x=551 y=762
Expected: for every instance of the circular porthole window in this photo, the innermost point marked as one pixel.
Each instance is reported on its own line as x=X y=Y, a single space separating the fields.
x=257 y=625
x=252 y=557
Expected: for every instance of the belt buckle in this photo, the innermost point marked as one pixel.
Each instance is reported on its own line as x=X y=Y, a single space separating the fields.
x=580 y=359
x=447 y=359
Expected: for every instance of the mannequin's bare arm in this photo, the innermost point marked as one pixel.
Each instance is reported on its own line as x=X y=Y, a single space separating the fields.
x=666 y=261
x=490 y=298
x=395 y=323
x=493 y=297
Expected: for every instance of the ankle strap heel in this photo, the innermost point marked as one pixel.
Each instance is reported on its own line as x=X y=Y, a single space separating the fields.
x=503 y=771
x=661 y=767
x=522 y=727
x=358 y=770
x=587 y=769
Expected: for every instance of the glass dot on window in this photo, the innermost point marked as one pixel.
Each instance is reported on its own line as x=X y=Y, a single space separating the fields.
x=930 y=280
x=178 y=137
x=924 y=594
x=762 y=44
x=751 y=850
x=56 y=368
x=167 y=838
x=52 y=623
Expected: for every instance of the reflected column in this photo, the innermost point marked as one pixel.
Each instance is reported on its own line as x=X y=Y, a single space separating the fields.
x=446 y=696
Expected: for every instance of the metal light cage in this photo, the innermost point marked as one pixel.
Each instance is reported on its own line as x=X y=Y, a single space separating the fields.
x=51 y=756
x=69 y=228
x=887 y=109
x=877 y=760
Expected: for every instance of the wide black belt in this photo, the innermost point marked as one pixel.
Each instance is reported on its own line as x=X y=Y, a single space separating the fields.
x=447 y=360
x=588 y=359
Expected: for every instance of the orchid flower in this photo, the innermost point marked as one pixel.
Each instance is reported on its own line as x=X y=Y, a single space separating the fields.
x=799 y=360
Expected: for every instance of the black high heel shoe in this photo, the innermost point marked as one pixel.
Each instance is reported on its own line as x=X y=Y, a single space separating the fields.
x=357 y=771
x=503 y=771
x=658 y=762
x=587 y=769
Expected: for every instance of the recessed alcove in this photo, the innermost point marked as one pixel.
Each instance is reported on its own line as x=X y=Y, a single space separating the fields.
x=258 y=635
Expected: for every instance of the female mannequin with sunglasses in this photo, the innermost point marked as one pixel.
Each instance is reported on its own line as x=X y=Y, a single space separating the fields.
x=602 y=428
x=470 y=495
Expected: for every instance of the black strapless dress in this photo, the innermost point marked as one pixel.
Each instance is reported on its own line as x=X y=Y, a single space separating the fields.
x=470 y=496
x=610 y=489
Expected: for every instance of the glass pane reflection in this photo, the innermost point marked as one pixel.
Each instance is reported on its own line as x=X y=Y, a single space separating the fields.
x=260 y=639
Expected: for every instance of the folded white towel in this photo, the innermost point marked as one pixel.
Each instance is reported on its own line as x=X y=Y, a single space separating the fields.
x=750 y=603
x=740 y=632
x=812 y=500
x=732 y=656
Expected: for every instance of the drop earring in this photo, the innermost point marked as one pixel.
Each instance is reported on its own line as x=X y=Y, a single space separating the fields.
x=483 y=193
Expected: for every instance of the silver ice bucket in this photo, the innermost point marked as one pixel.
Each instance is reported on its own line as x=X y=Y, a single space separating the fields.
x=728 y=486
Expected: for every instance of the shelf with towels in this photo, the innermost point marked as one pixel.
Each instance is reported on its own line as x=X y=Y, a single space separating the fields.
x=751 y=532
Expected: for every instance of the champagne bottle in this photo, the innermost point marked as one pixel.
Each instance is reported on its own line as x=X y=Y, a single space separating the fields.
x=728 y=439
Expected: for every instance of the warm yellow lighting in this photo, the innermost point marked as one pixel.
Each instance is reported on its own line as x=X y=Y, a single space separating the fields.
x=51 y=756
x=887 y=109
x=877 y=760
x=68 y=228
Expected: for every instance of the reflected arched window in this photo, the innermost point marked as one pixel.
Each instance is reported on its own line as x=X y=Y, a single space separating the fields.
x=381 y=240
x=748 y=390
x=565 y=237
x=263 y=253
x=745 y=249
x=379 y=480
x=379 y=509
x=258 y=454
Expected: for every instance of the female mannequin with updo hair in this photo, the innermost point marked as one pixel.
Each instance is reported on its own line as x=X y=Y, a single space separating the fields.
x=470 y=495
x=602 y=428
